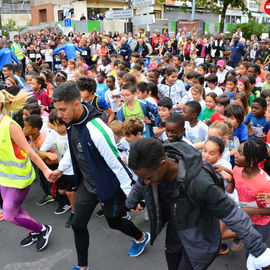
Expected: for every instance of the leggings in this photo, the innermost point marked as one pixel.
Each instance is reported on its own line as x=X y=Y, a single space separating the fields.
x=12 y=211
x=85 y=205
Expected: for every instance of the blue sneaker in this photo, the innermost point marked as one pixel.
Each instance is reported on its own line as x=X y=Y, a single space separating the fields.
x=138 y=247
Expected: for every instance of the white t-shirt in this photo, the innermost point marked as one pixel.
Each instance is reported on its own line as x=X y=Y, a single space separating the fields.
x=226 y=164
x=218 y=91
x=48 y=56
x=221 y=75
x=196 y=134
x=59 y=144
x=202 y=103
x=152 y=100
x=113 y=102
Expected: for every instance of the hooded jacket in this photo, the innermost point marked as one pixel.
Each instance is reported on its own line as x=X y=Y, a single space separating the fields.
x=69 y=49
x=176 y=92
x=197 y=226
x=108 y=171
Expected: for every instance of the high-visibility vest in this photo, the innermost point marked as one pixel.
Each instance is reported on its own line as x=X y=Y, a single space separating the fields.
x=17 y=51
x=16 y=169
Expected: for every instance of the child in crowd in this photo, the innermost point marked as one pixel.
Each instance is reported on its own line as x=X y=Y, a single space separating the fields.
x=122 y=145
x=177 y=61
x=64 y=63
x=212 y=82
x=221 y=72
x=243 y=85
x=254 y=70
x=266 y=84
x=266 y=95
x=231 y=89
x=196 y=130
x=164 y=110
x=259 y=62
x=250 y=181
x=58 y=141
x=60 y=77
x=256 y=91
x=152 y=76
x=171 y=87
x=137 y=72
x=105 y=66
x=235 y=114
x=241 y=99
x=153 y=91
x=221 y=102
x=71 y=68
x=197 y=93
x=143 y=92
x=256 y=118
x=47 y=75
x=32 y=130
x=101 y=87
x=153 y=63
x=133 y=129
x=120 y=80
x=113 y=93
x=81 y=63
x=143 y=109
x=243 y=67
x=175 y=128
x=29 y=76
x=38 y=86
x=210 y=104
x=202 y=69
x=34 y=108
x=87 y=88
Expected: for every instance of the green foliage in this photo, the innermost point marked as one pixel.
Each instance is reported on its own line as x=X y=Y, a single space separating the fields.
x=250 y=28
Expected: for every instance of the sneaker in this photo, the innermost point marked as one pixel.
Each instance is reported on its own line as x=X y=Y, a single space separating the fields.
x=223 y=249
x=43 y=237
x=237 y=245
x=62 y=209
x=100 y=213
x=30 y=239
x=1 y=214
x=46 y=199
x=69 y=221
x=127 y=216
x=138 y=247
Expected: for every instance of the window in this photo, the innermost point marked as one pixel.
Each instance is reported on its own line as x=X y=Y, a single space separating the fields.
x=227 y=19
x=253 y=4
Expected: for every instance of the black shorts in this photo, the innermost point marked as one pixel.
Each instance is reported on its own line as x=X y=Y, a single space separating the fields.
x=67 y=182
x=115 y=207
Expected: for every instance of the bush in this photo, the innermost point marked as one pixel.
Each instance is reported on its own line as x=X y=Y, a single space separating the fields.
x=250 y=28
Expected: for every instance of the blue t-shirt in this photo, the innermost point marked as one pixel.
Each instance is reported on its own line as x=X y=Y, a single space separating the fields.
x=100 y=104
x=237 y=52
x=241 y=132
x=259 y=126
x=231 y=96
x=101 y=89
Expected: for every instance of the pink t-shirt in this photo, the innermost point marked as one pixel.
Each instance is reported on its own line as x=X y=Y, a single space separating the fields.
x=249 y=188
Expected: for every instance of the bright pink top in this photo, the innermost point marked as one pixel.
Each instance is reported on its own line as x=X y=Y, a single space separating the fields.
x=249 y=188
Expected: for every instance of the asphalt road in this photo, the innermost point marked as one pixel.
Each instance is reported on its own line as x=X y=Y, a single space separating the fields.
x=108 y=248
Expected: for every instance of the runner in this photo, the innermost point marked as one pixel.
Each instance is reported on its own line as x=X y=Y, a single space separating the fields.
x=17 y=173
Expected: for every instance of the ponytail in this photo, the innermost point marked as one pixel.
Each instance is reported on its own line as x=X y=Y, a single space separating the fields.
x=13 y=103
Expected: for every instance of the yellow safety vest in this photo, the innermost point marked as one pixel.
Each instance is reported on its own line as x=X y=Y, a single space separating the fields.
x=15 y=172
x=17 y=51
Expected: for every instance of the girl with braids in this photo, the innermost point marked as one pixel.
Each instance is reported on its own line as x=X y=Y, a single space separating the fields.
x=250 y=180
x=16 y=171
x=48 y=77
x=38 y=86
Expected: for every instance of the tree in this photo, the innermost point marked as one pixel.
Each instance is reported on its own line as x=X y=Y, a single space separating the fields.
x=251 y=28
x=220 y=7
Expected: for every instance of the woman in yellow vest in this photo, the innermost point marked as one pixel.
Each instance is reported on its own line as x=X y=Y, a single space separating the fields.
x=17 y=172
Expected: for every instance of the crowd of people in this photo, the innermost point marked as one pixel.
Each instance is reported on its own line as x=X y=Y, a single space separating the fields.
x=175 y=125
